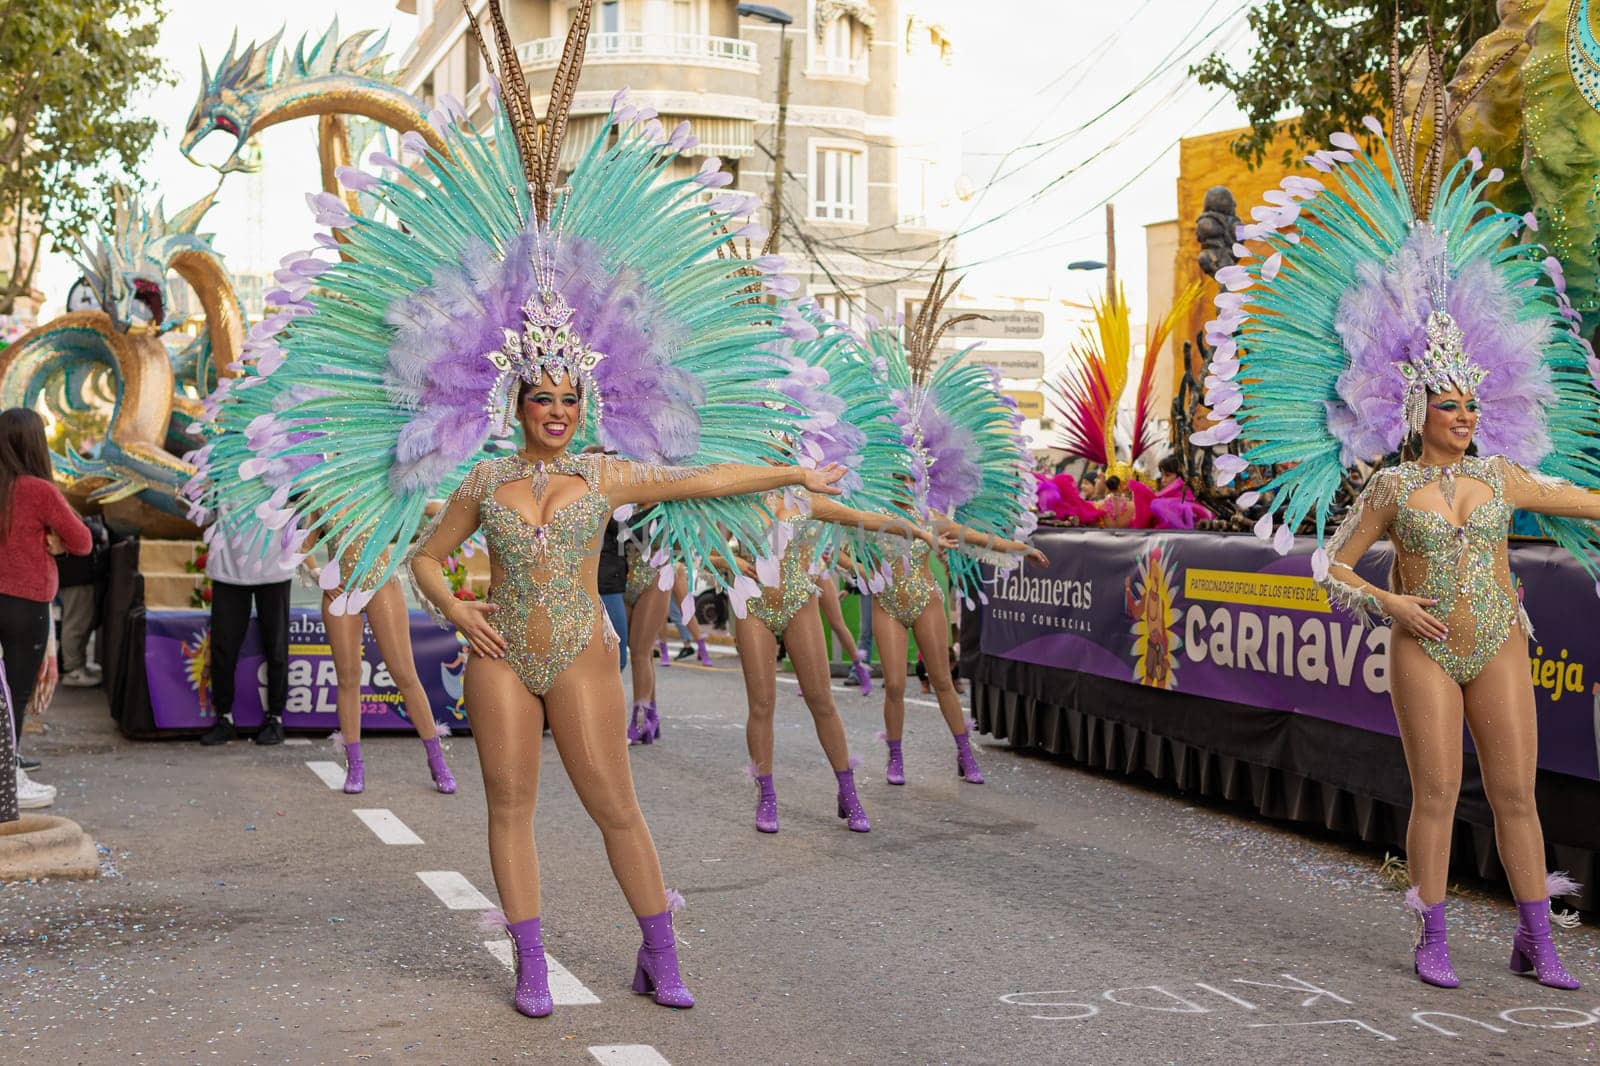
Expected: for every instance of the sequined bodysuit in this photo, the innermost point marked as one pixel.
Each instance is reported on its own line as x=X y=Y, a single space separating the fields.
x=912 y=587
x=776 y=607
x=1464 y=567
x=641 y=575
x=542 y=576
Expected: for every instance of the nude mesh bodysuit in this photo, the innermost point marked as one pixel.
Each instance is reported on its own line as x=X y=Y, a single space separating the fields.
x=912 y=588
x=547 y=608
x=1464 y=567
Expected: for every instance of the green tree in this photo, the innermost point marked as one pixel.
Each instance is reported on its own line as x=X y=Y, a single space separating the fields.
x=1328 y=60
x=73 y=75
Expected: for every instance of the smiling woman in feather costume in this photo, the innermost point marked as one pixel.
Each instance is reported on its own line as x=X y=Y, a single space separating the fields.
x=597 y=313
x=1402 y=315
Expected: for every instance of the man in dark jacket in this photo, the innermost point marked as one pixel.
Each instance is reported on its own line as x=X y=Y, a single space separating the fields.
x=81 y=577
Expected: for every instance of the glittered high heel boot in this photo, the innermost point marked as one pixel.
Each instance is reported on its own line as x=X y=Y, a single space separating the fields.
x=656 y=970
x=703 y=651
x=966 y=761
x=645 y=724
x=443 y=779
x=1432 y=953
x=850 y=808
x=664 y=653
x=355 y=771
x=895 y=771
x=533 y=978
x=863 y=674
x=1531 y=948
x=766 y=801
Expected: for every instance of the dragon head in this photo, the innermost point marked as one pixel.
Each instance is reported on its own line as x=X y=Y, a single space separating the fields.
x=127 y=267
x=248 y=86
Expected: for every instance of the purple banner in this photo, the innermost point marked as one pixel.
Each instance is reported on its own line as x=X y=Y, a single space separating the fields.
x=177 y=658
x=1228 y=618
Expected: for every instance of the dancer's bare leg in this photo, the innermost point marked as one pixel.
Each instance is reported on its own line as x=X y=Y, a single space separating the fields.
x=391 y=626
x=1428 y=707
x=680 y=592
x=758 y=659
x=1505 y=731
x=507 y=726
x=644 y=629
x=582 y=710
x=933 y=637
x=890 y=636
x=808 y=651
x=346 y=644
x=833 y=614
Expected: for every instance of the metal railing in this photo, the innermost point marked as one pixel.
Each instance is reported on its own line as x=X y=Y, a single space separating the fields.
x=731 y=51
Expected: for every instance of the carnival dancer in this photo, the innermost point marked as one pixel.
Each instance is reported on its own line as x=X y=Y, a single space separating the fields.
x=481 y=298
x=972 y=483
x=849 y=421
x=833 y=614
x=647 y=605
x=386 y=612
x=1402 y=315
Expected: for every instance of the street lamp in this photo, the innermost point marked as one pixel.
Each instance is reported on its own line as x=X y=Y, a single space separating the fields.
x=781 y=19
x=1086 y=264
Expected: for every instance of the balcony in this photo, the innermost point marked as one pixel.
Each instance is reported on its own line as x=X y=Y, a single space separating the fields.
x=729 y=53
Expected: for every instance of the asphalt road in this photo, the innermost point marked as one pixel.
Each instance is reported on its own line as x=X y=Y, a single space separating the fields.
x=247 y=915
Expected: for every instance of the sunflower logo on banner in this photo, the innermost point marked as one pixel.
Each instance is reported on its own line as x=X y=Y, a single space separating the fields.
x=197 y=666
x=1155 y=618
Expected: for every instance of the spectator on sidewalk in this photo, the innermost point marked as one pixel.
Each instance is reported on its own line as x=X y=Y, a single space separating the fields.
x=240 y=576
x=36 y=524
x=80 y=581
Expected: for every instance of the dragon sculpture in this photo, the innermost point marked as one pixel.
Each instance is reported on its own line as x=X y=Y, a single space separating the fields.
x=266 y=84
x=117 y=357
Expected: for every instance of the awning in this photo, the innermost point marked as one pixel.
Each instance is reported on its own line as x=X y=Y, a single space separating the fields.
x=728 y=138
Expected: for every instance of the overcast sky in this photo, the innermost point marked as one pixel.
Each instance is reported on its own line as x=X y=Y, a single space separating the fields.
x=1035 y=71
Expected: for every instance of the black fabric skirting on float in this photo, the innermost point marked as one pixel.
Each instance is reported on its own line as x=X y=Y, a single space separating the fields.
x=1286 y=766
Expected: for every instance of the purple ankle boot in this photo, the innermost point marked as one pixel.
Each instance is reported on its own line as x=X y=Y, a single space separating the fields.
x=863 y=674
x=702 y=651
x=850 y=807
x=766 y=801
x=664 y=652
x=657 y=968
x=443 y=779
x=355 y=772
x=895 y=772
x=640 y=728
x=966 y=762
x=1531 y=949
x=1432 y=954
x=533 y=978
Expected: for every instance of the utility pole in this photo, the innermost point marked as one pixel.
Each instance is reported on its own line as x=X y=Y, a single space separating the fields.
x=785 y=50
x=1111 y=254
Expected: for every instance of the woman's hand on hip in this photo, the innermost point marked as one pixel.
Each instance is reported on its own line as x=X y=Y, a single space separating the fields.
x=471 y=617
x=1410 y=613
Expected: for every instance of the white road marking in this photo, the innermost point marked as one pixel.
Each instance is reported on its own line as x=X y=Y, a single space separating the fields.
x=332 y=773
x=299 y=742
x=386 y=826
x=875 y=690
x=628 y=1055
x=454 y=891
x=565 y=989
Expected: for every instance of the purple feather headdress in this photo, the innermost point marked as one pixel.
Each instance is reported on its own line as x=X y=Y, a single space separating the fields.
x=1383 y=320
x=826 y=434
x=449 y=353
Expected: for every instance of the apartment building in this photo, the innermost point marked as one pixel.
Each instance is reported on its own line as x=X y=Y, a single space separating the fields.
x=872 y=151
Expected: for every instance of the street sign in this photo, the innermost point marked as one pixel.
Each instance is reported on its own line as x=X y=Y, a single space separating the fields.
x=1013 y=364
x=1030 y=402
x=997 y=323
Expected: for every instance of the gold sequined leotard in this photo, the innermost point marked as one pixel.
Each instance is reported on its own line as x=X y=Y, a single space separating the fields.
x=548 y=606
x=1464 y=567
x=641 y=575
x=911 y=589
x=776 y=607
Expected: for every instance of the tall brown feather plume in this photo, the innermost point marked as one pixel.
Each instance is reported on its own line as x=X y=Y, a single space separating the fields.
x=1433 y=108
x=562 y=89
x=926 y=329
